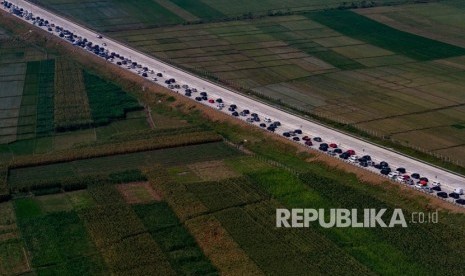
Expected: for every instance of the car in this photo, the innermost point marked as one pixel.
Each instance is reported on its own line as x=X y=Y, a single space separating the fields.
x=385 y=171
x=323 y=148
x=292 y=133
x=363 y=164
x=424 y=179
x=211 y=101
x=219 y=100
x=203 y=93
x=351 y=152
x=268 y=120
x=454 y=195
x=233 y=106
x=400 y=178
x=154 y=79
x=254 y=115
x=104 y=44
x=460 y=201
x=306 y=138
x=338 y=150
x=383 y=164
x=298 y=131
x=286 y=134
x=393 y=174
x=353 y=158
x=99 y=36
x=409 y=181
x=204 y=98
x=144 y=75
x=242 y=113
x=199 y=99
x=324 y=145
x=231 y=109
x=442 y=194
x=415 y=175
x=270 y=128
x=246 y=111
x=188 y=94
x=119 y=63
x=277 y=123
x=256 y=119
x=262 y=125
x=436 y=188
x=317 y=139
x=185 y=86
x=249 y=120
x=308 y=143
x=401 y=170
x=436 y=183
x=333 y=145
x=418 y=185
x=296 y=138
x=458 y=191
x=159 y=75
x=235 y=114
x=344 y=155
x=331 y=152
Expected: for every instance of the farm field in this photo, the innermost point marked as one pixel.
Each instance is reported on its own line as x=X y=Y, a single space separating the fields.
x=245 y=207
x=445 y=24
x=96 y=232
x=378 y=85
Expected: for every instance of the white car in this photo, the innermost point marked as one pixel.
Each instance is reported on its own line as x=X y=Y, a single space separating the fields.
x=458 y=191
x=393 y=174
x=267 y=120
x=353 y=158
x=400 y=178
x=436 y=183
x=419 y=186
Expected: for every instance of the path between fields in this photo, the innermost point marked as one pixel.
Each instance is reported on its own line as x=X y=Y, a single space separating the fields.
x=177 y=10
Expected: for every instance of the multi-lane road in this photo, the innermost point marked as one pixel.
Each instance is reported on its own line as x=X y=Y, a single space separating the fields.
x=449 y=180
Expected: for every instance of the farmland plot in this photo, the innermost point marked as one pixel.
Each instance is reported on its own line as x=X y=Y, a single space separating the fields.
x=11 y=88
x=71 y=104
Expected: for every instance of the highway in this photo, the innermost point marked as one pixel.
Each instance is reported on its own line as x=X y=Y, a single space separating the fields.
x=449 y=180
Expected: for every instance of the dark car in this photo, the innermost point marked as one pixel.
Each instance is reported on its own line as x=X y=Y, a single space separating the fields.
x=454 y=195
x=298 y=131
x=231 y=109
x=415 y=175
x=323 y=148
x=256 y=119
x=246 y=111
x=204 y=98
x=401 y=170
x=363 y=164
x=144 y=75
x=199 y=99
x=442 y=194
x=262 y=125
x=277 y=123
x=324 y=145
x=219 y=100
x=317 y=139
x=337 y=151
x=385 y=170
x=308 y=143
x=254 y=115
x=383 y=164
x=233 y=106
x=235 y=114
x=296 y=139
x=344 y=155
x=286 y=134
x=270 y=128
x=159 y=75
x=203 y=93
x=460 y=201
x=436 y=188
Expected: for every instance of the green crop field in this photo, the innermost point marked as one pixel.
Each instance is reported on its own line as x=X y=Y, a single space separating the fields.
x=383 y=81
x=24 y=177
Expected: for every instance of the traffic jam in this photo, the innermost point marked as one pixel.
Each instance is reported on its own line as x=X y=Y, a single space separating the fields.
x=266 y=122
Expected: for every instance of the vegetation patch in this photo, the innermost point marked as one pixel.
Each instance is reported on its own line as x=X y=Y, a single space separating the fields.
x=359 y=27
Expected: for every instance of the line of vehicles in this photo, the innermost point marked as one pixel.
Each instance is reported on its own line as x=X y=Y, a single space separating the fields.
x=398 y=174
